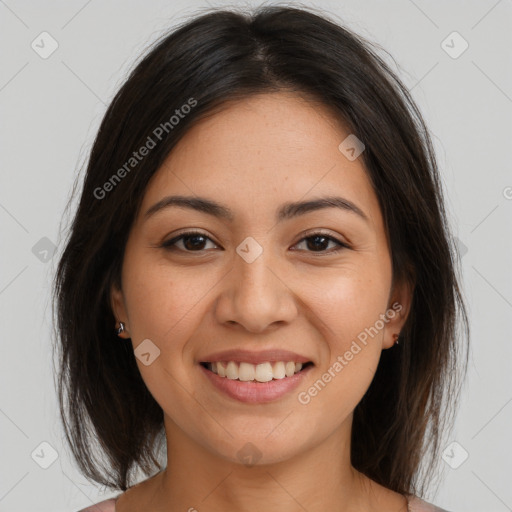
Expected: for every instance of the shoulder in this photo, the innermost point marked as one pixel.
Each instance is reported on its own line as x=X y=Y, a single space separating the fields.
x=418 y=505
x=102 y=506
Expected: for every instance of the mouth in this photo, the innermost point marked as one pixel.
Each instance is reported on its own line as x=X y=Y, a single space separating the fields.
x=256 y=376
x=256 y=373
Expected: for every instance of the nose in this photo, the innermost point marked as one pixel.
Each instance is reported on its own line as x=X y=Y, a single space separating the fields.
x=256 y=295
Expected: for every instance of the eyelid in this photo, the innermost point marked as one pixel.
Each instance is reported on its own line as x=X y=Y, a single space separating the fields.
x=169 y=243
x=340 y=241
x=342 y=244
x=324 y=232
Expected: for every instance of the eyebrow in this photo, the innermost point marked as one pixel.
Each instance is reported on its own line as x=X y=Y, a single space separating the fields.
x=285 y=212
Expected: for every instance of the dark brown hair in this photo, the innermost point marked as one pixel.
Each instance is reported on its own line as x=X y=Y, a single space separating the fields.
x=214 y=58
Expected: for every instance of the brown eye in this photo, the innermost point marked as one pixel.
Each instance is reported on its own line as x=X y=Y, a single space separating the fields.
x=318 y=242
x=193 y=241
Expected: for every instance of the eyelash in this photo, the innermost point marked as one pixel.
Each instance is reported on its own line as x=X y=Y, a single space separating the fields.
x=170 y=245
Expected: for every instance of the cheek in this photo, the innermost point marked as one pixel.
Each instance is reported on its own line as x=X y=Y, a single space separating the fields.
x=161 y=302
x=347 y=303
x=346 y=311
x=163 y=306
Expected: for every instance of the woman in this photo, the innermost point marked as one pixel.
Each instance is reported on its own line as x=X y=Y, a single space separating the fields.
x=260 y=278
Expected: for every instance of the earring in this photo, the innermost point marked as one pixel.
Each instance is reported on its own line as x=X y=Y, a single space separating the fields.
x=395 y=338
x=120 y=329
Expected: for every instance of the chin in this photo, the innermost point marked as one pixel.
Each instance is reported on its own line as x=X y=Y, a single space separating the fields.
x=258 y=448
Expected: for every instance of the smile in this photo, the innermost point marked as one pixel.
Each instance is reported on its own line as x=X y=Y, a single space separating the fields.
x=255 y=383
x=248 y=372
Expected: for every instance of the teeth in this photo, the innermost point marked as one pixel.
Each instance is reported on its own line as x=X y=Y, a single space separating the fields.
x=231 y=370
x=247 y=372
x=279 y=370
x=220 y=369
x=264 y=372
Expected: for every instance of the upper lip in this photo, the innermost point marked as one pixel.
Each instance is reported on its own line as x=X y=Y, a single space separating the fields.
x=255 y=357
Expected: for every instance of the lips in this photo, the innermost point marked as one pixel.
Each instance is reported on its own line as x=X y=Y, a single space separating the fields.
x=256 y=392
x=247 y=372
x=255 y=377
x=253 y=357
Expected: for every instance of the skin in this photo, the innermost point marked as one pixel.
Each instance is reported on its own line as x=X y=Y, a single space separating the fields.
x=252 y=157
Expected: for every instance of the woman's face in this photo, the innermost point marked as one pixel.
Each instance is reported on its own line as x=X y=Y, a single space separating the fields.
x=257 y=280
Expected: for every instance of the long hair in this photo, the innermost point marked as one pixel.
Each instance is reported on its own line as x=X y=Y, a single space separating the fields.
x=204 y=63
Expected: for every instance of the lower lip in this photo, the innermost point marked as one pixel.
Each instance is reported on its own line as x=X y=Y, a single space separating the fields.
x=256 y=392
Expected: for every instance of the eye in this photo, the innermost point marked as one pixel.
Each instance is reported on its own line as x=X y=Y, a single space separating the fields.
x=318 y=242
x=195 y=241
x=192 y=241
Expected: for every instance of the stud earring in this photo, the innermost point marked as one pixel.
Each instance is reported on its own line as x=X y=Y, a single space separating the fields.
x=120 y=329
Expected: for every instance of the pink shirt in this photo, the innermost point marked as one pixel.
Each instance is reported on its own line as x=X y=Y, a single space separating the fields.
x=415 y=504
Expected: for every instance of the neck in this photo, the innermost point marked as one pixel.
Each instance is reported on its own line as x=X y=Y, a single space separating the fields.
x=313 y=480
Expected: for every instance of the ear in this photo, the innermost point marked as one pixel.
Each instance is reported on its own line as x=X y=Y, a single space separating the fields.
x=399 y=306
x=118 y=306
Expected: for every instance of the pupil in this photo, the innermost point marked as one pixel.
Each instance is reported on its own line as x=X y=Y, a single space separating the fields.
x=314 y=245
x=195 y=244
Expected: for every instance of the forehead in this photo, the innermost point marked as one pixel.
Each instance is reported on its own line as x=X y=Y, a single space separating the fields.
x=259 y=152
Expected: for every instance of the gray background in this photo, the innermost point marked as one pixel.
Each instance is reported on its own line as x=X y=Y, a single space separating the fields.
x=50 y=110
